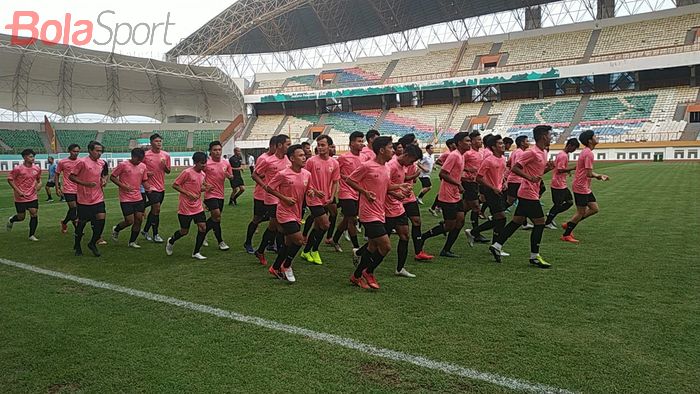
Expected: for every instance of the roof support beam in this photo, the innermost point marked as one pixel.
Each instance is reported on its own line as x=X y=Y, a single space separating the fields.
x=65 y=89
x=158 y=96
x=20 y=87
x=113 y=110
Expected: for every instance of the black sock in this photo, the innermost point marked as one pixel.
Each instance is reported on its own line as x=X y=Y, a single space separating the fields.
x=310 y=239
x=421 y=195
x=552 y=214
x=338 y=233
x=120 y=226
x=149 y=222
x=307 y=225
x=268 y=237
x=474 y=218
x=252 y=226
x=499 y=225
x=134 y=236
x=281 y=256
x=361 y=249
x=318 y=238
x=355 y=243
x=485 y=226
x=155 y=224
x=292 y=251
x=402 y=254
x=435 y=202
x=451 y=239
x=177 y=235
x=68 y=217
x=417 y=237
x=570 y=226
x=14 y=219
x=201 y=236
x=365 y=261
x=508 y=231
x=79 y=230
x=332 y=220
x=377 y=259
x=435 y=231
x=279 y=240
x=33 y=223
x=536 y=238
x=98 y=227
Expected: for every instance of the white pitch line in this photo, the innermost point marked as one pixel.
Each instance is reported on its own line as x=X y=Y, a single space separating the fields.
x=447 y=368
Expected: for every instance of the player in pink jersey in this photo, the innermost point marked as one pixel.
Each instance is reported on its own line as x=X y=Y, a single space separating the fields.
x=68 y=189
x=450 y=196
x=325 y=175
x=291 y=186
x=531 y=166
x=264 y=172
x=347 y=196
x=561 y=195
x=586 y=203
x=514 y=180
x=367 y=153
x=25 y=180
x=158 y=163
x=129 y=176
x=259 y=210
x=451 y=146
x=190 y=184
x=472 y=161
x=90 y=174
x=217 y=172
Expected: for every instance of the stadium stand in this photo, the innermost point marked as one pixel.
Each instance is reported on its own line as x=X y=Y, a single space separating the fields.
x=80 y=137
x=421 y=121
x=433 y=62
x=547 y=48
x=295 y=127
x=202 y=138
x=118 y=140
x=265 y=127
x=470 y=55
x=361 y=75
x=174 y=140
x=19 y=140
x=301 y=80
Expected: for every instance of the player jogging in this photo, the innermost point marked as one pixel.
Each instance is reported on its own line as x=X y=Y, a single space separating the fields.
x=259 y=211
x=348 y=197
x=158 y=163
x=129 y=176
x=237 y=183
x=216 y=172
x=25 y=180
x=561 y=195
x=68 y=189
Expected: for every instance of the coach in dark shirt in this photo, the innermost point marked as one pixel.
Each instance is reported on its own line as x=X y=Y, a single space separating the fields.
x=237 y=181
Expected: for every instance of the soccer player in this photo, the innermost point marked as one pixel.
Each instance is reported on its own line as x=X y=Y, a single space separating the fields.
x=521 y=145
x=68 y=189
x=586 y=204
x=347 y=196
x=158 y=163
x=259 y=211
x=90 y=174
x=190 y=184
x=561 y=195
x=427 y=163
x=264 y=172
x=237 y=183
x=216 y=172
x=367 y=153
x=450 y=196
x=472 y=161
x=325 y=175
x=531 y=166
x=51 y=181
x=25 y=180
x=451 y=146
x=130 y=176
x=291 y=186
x=306 y=146
x=490 y=178
x=507 y=143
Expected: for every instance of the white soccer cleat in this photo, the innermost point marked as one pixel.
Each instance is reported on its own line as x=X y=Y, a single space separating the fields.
x=433 y=212
x=198 y=256
x=420 y=201
x=504 y=254
x=551 y=226
x=405 y=273
x=169 y=248
x=205 y=243
x=527 y=226
x=115 y=234
x=134 y=245
x=146 y=236
x=289 y=275
x=157 y=239
x=470 y=237
x=223 y=246
x=346 y=235
x=355 y=257
x=34 y=239
x=337 y=248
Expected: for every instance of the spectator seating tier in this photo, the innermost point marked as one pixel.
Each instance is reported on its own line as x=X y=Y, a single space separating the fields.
x=80 y=137
x=19 y=140
x=118 y=140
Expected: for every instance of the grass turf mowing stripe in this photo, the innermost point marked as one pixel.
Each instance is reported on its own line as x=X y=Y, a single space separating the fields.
x=420 y=361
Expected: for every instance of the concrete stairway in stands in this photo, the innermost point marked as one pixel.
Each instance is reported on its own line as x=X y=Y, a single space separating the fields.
x=578 y=115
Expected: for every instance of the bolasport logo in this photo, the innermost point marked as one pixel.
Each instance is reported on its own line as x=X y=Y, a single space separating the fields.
x=27 y=27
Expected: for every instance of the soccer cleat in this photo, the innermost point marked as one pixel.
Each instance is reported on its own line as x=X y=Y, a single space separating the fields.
x=346 y=235
x=115 y=234
x=198 y=256
x=146 y=236
x=448 y=254
x=569 y=238
x=433 y=212
x=496 y=252
x=205 y=243
x=420 y=201
x=405 y=273
x=78 y=252
x=307 y=256
x=371 y=279
x=554 y=223
x=355 y=257
x=157 y=239
x=223 y=246
x=504 y=253
x=337 y=248
x=470 y=237
x=422 y=256
x=261 y=258
x=64 y=228
x=481 y=240
x=9 y=224
x=359 y=282
x=169 y=248
x=551 y=226
x=249 y=248
x=277 y=274
x=134 y=245
x=94 y=250
x=101 y=242
x=49 y=200
x=527 y=226
x=289 y=275
x=540 y=262
x=316 y=258
x=34 y=239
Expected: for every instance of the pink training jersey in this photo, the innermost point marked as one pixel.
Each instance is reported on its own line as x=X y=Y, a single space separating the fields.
x=397 y=175
x=410 y=171
x=323 y=174
x=294 y=185
x=367 y=154
x=443 y=156
x=156 y=169
x=348 y=163
x=88 y=170
x=373 y=177
x=64 y=168
x=133 y=176
x=485 y=152
x=561 y=162
x=259 y=193
x=512 y=161
x=268 y=169
x=533 y=161
x=216 y=173
x=25 y=179
x=492 y=170
x=472 y=161
x=582 y=183
x=190 y=181
x=454 y=165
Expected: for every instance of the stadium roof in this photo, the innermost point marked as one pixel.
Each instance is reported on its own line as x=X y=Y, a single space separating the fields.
x=265 y=26
x=68 y=80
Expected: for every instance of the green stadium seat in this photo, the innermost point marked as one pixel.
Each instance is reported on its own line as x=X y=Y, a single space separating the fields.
x=202 y=138
x=118 y=140
x=174 y=140
x=19 y=140
x=80 y=137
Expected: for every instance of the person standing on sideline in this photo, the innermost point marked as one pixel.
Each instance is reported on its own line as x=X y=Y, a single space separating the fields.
x=158 y=163
x=428 y=162
x=130 y=176
x=25 y=181
x=237 y=183
x=251 y=163
x=51 y=181
x=68 y=189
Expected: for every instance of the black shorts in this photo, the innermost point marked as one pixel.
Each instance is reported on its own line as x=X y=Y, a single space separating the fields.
x=582 y=200
x=471 y=191
x=374 y=229
x=155 y=197
x=70 y=197
x=130 y=208
x=513 y=189
x=350 y=207
x=494 y=201
x=214 y=204
x=271 y=211
x=560 y=196
x=412 y=209
x=22 y=207
x=186 y=220
x=450 y=209
x=318 y=210
x=392 y=223
x=87 y=213
x=50 y=184
x=237 y=181
x=425 y=182
x=290 y=228
x=529 y=208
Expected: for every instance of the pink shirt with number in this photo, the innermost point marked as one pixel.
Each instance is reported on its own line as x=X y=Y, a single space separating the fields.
x=348 y=163
x=323 y=174
x=190 y=181
x=25 y=179
x=373 y=177
x=154 y=163
x=367 y=154
x=268 y=169
x=561 y=162
x=88 y=170
x=294 y=185
x=397 y=175
x=533 y=161
x=492 y=169
x=64 y=168
x=454 y=165
x=259 y=193
x=472 y=160
x=133 y=176
x=582 y=183
x=512 y=161
x=216 y=173
x=411 y=170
